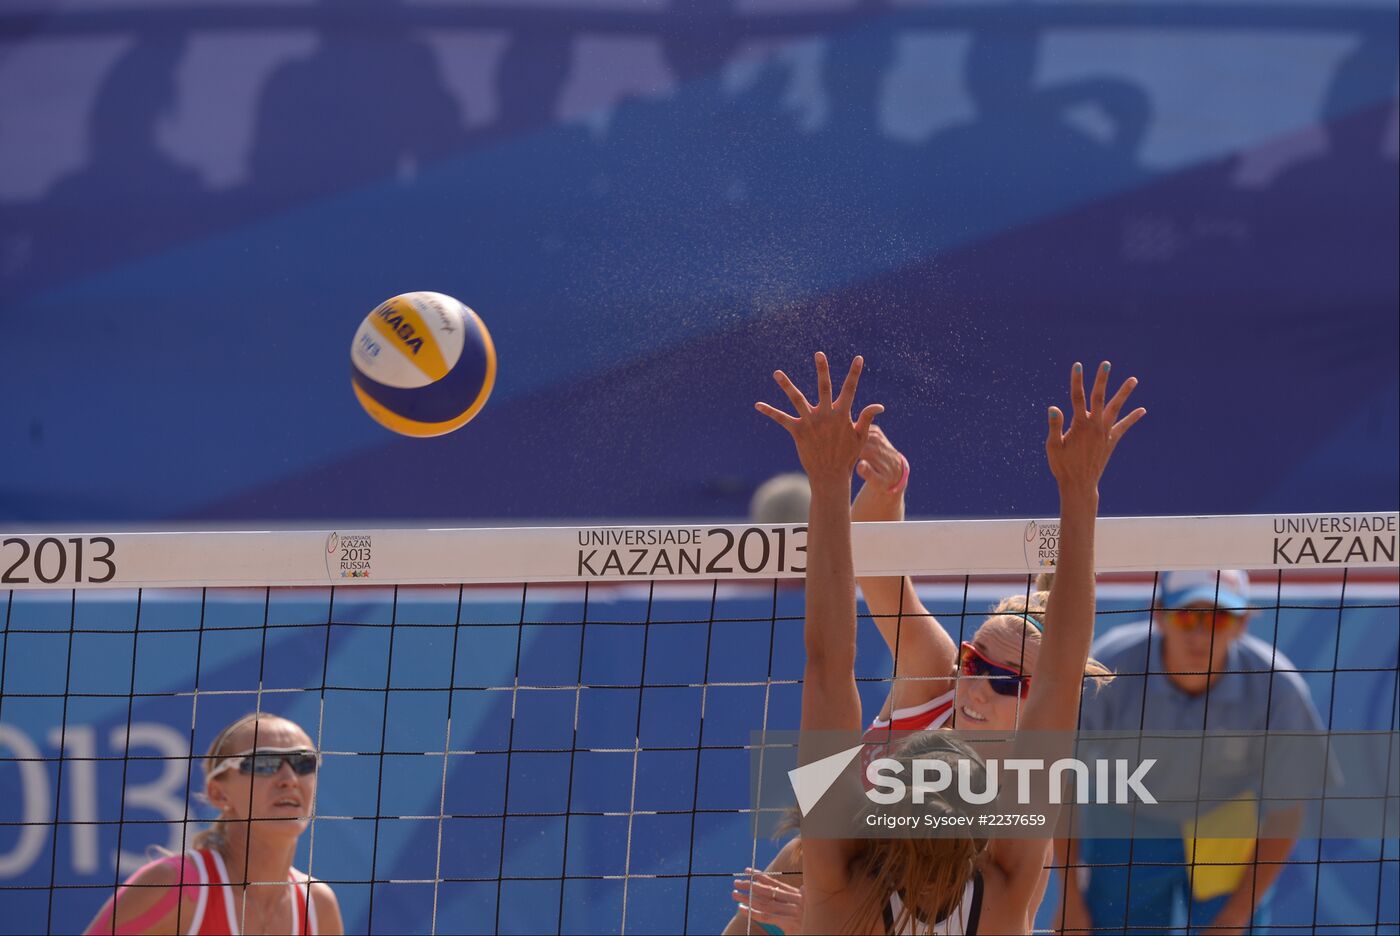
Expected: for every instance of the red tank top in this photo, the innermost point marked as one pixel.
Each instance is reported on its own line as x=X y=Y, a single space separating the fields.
x=203 y=879
x=215 y=912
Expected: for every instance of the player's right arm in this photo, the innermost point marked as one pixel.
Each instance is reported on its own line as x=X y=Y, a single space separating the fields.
x=149 y=903
x=921 y=648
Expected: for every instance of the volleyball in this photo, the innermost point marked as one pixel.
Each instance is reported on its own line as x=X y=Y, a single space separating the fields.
x=422 y=364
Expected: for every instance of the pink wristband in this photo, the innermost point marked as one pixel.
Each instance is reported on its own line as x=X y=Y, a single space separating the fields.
x=903 y=481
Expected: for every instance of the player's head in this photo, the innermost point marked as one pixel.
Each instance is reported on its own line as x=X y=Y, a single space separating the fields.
x=1202 y=614
x=261 y=768
x=996 y=665
x=783 y=498
x=930 y=873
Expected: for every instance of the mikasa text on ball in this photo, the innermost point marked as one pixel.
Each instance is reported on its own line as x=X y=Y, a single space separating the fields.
x=422 y=364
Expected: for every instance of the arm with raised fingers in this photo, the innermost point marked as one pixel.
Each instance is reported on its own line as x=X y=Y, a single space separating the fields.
x=828 y=443
x=1077 y=458
x=922 y=650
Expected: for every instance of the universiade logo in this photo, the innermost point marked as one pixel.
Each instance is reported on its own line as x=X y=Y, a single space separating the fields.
x=349 y=555
x=1116 y=781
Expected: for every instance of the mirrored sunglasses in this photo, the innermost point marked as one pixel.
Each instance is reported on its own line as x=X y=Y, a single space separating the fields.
x=266 y=763
x=1003 y=680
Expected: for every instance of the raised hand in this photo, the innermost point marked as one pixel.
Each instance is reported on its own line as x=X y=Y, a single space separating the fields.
x=828 y=442
x=880 y=463
x=1077 y=457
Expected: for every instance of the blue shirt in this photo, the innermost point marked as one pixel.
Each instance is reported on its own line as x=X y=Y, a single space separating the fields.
x=1260 y=689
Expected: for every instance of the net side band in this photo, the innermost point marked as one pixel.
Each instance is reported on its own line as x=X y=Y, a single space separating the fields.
x=679 y=552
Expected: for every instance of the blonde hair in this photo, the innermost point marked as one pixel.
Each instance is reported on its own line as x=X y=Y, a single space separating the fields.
x=930 y=875
x=1013 y=632
x=213 y=836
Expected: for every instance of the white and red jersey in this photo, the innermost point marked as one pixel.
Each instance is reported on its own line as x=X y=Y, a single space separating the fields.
x=962 y=920
x=203 y=879
x=883 y=733
x=215 y=913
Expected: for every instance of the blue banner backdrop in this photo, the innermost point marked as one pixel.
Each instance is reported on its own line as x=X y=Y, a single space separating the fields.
x=653 y=206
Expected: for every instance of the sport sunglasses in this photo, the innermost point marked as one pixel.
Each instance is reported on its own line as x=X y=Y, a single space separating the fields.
x=1003 y=680
x=265 y=762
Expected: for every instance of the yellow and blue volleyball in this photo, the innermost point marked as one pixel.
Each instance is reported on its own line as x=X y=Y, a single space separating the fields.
x=422 y=364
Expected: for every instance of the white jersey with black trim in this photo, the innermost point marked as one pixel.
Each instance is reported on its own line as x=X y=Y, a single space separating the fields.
x=962 y=921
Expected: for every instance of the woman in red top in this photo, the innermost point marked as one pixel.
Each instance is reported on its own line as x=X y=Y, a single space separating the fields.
x=260 y=773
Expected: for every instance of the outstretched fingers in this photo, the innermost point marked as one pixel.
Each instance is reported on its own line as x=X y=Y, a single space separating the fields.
x=1121 y=427
x=798 y=399
x=1076 y=391
x=1100 y=388
x=777 y=415
x=823 y=381
x=1079 y=452
x=1055 y=434
x=825 y=429
x=1115 y=405
x=846 y=400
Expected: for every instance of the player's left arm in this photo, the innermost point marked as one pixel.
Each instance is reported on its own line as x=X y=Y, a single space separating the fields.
x=1077 y=459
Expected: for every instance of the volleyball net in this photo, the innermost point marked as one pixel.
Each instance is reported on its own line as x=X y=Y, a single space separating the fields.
x=551 y=730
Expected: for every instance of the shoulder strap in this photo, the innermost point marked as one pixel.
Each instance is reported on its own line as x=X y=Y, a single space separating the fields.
x=201 y=902
x=304 y=903
x=219 y=881
x=975 y=910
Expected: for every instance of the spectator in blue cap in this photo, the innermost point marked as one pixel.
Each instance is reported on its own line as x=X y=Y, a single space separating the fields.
x=1191 y=667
